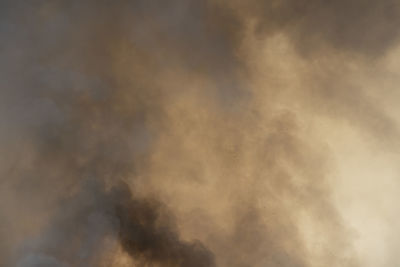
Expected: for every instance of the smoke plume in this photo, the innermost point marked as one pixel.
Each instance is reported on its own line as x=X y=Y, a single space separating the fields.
x=190 y=133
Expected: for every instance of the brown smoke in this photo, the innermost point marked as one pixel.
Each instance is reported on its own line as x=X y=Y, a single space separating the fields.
x=177 y=133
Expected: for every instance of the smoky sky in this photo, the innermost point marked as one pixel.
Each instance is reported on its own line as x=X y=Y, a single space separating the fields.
x=133 y=130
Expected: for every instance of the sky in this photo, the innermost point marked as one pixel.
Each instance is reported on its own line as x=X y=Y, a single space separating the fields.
x=188 y=133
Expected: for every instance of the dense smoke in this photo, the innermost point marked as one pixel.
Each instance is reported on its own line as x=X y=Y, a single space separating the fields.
x=177 y=133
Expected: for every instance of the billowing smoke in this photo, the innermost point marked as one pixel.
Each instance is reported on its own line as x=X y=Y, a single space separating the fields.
x=182 y=133
x=84 y=230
